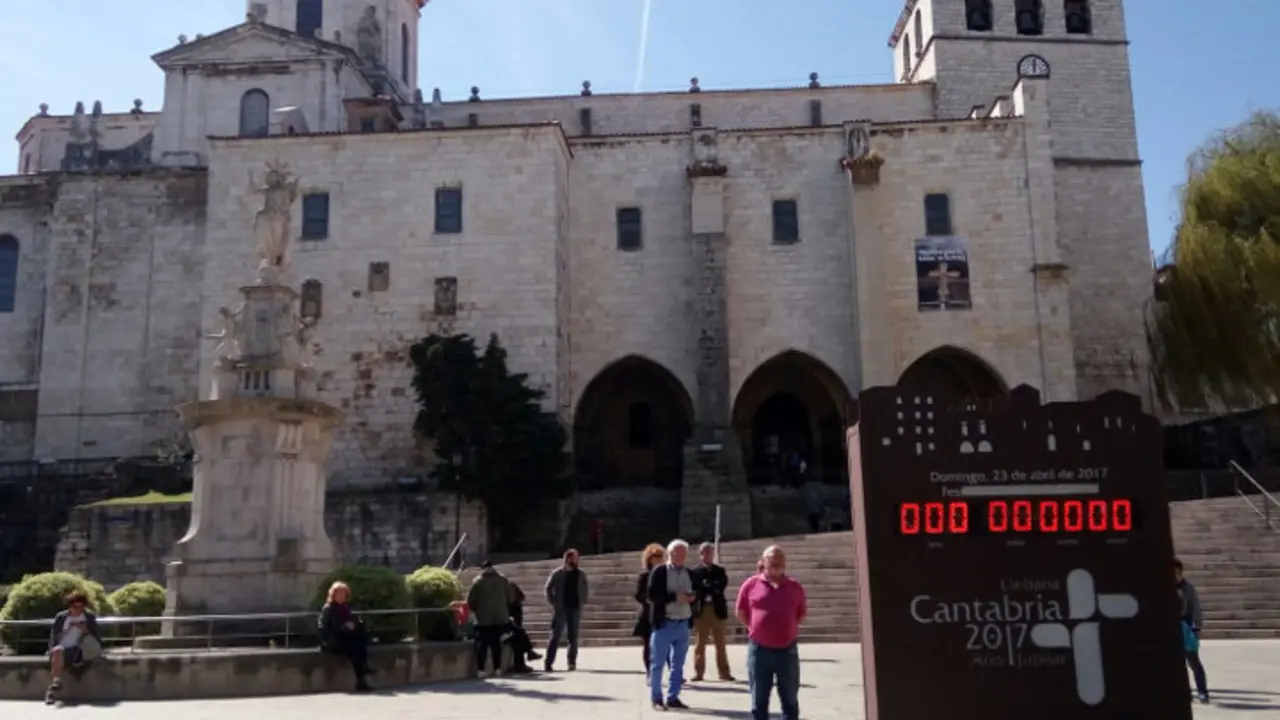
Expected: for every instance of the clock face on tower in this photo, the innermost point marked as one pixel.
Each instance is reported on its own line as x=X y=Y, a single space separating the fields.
x=1033 y=66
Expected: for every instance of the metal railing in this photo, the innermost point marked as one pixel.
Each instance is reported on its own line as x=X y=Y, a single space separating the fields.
x=293 y=630
x=1268 y=501
x=458 y=552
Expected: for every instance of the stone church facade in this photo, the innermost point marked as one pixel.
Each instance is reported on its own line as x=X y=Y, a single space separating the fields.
x=702 y=281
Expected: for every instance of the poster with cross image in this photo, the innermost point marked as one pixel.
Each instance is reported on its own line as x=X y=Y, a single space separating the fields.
x=1015 y=561
x=942 y=273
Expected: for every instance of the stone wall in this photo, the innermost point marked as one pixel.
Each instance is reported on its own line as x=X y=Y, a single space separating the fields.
x=119 y=544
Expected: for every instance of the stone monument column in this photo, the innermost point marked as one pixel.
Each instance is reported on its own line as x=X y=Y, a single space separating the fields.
x=257 y=540
x=713 y=472
x=861 y=165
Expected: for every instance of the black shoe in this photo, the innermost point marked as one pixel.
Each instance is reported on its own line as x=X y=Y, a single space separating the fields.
x=370 y=670
x=546 y=667
x=520 y=670
x=534 y=655
x=657 y=705
x=1204 y=698
x=363 y=687
x=676 y=704
x=573 y=666
x=50 y=696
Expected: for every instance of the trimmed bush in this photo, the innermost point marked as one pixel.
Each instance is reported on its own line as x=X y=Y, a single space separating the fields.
x=373 y=588
x=139 y=599
x=40 y=597
x=4 y=596
x=435 y=588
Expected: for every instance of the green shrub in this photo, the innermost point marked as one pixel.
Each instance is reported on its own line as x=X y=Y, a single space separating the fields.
x=434 y=588
x=373 y=588
x=139 y=599
x=4 y=596
x=40 y=597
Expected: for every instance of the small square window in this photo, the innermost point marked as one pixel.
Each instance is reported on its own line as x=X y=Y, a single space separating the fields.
x=367 y=125
x=449 y=210
x=786 y=222
x=630 y=230
x=315 y=216
x=937 y=214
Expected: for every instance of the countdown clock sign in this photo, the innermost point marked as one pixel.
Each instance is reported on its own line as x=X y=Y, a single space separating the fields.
x=1015 y=563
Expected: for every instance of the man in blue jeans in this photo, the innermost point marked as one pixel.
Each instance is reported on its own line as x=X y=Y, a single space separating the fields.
x=566 y=592
x=771 y=604
x=671 y=616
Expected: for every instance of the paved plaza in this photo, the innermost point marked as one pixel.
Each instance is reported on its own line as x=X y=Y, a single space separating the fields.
x=609 y=686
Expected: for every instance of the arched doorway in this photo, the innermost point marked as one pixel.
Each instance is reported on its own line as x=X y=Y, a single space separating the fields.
x=791 y=408
x=630 y=427
x=958 y=374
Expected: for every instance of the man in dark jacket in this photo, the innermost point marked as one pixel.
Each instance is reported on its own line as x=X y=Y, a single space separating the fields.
x=73 y=640
x=566 y=592
x=709 y=613
x=517 y=622
x=490 y=602
x=1193 y=618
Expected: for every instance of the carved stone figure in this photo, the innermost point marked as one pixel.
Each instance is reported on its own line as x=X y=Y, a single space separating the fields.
x=369 y=36
x=271 y=225
x=859 y=143
x=228 y=349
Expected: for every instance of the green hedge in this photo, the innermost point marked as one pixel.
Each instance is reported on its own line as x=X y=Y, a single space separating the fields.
x=40 y=597
x=374 y=588
x=4 y=596
x=139 y=599
x=435 y=588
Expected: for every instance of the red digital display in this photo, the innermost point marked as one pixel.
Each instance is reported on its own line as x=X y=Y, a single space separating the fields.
x=1014 y=517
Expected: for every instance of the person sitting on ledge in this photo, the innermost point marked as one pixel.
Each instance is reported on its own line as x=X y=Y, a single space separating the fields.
x=342 y=633
x=73 y=641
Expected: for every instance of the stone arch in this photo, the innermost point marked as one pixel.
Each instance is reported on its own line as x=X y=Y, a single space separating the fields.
x=792 y=405
x=255 y=113
x=630 y=426
x=957 y=373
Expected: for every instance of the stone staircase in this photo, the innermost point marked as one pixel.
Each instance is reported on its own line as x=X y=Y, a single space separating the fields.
x=824 y=563
x=1234 y=562
x=1227 y=550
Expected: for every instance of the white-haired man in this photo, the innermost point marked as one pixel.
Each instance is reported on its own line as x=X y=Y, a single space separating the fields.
x=671 y=615
x=772 y=605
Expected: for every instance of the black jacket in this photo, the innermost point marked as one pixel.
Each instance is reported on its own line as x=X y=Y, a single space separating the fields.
x=330 y=626
x=710 y=580
x=659 y=596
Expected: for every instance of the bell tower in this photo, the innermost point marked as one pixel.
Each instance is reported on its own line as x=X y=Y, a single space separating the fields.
x=384 y=32
x=975 y=51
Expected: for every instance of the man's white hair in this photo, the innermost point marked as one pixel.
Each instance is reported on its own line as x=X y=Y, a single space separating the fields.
x=676 y=545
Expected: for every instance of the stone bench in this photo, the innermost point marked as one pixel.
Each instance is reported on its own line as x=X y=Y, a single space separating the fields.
x=122 y=675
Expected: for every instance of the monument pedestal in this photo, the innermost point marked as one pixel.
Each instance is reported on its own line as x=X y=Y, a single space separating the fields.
x=257 y=540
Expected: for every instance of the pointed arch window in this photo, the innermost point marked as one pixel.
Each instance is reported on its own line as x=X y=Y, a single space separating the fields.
x=255 y=113
x=918 y=23
x=1029 y=17
x=978 y=15
x=8 y=273
x=906 y=57
x=1079 y=18
x=404 y=53
x=310 y=17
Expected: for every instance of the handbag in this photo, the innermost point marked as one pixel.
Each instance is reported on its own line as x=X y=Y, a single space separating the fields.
x=90 y=648
x=1190 y=641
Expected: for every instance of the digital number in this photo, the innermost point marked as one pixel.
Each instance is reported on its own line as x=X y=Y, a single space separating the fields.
x=909 y=519
x=1018 y=516
x=958 y=518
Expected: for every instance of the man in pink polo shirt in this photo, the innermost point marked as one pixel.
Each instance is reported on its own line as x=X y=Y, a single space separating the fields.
x=772 y=605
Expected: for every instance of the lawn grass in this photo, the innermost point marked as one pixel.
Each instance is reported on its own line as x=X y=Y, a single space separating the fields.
x=151 y=498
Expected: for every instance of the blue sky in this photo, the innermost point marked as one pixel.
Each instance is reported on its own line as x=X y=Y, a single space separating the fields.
x=1198 y=67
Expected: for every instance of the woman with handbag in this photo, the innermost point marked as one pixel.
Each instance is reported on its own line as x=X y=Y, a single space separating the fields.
x=652 y=556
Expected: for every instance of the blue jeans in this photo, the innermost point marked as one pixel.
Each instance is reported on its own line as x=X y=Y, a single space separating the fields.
x=668 y=643
x=562 y=620
x=767 y=666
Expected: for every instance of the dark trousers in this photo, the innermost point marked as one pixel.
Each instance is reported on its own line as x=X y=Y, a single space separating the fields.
x=354 y=646
x=564 y=620
x=770 y=667
x=489 y=638
x=647 y=652
x=1197 y=671
x=520 y=644
x=815 y=522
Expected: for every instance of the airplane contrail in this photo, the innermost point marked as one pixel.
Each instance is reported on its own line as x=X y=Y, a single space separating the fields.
x=644 y=43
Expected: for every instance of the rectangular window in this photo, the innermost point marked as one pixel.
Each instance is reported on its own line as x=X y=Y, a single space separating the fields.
x=315 y=216
x=937 y=214
x=367 y=125
x=630 y=230
x=786 y=222
x=449 y=210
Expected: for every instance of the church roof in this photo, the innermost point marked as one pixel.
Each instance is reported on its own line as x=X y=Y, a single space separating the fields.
x=248 y=27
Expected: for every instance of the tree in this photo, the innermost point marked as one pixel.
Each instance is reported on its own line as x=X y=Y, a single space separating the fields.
x=494 y=441
x=1215 y=329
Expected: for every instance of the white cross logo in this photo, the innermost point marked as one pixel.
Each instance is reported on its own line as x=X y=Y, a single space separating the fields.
x=1083 y=605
